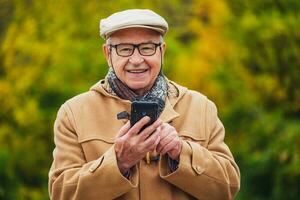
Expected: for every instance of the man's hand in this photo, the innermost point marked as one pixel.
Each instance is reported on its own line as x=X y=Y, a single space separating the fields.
x=131 y=146
x=170 y=142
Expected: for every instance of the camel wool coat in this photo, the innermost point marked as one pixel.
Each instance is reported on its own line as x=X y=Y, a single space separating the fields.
x=84 y=160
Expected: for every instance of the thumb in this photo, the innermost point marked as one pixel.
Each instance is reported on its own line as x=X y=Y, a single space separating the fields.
x=124 y=129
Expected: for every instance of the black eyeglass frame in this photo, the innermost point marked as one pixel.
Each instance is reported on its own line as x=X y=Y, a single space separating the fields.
x=134 y=47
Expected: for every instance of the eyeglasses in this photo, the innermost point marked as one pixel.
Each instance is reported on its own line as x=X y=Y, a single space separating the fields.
x=145 y=49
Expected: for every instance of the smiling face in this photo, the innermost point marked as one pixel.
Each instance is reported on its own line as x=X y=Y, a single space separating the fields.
x=138 y=72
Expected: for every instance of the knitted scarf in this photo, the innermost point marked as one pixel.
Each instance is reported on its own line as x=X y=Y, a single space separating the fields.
x=157 y=93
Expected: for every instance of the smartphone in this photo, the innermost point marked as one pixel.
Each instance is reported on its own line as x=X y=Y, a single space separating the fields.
x=140 y=109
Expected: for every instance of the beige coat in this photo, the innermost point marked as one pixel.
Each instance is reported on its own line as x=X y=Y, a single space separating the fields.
x=85 y=166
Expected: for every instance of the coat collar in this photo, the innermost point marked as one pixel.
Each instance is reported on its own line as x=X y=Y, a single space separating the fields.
x=168 y=114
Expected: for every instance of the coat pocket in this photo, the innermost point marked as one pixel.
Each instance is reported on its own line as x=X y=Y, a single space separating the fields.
x=95 y=145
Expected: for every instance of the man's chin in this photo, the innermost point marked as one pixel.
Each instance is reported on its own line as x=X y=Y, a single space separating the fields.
x=138 y=88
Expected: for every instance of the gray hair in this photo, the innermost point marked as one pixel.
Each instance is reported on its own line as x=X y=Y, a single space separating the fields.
x=108 y=40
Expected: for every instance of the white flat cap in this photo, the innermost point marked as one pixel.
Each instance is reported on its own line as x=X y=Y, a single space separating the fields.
x=143 y=18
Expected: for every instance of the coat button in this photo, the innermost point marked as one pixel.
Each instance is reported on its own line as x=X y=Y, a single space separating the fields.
x=91 y=169
x=96 y=164
x=199 y=169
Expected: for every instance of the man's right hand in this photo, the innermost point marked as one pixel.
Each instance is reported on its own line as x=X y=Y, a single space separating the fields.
x=131 y=145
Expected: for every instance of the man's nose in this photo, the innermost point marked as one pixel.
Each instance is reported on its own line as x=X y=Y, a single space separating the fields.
x=136 y=58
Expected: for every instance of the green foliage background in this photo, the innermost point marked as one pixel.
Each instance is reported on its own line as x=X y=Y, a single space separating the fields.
x=242 y=54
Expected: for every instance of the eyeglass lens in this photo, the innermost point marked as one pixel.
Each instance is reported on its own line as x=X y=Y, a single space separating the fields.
x=145 y=49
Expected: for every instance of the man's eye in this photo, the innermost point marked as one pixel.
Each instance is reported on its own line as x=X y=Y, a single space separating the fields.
x=147 y=48
x=125 y=49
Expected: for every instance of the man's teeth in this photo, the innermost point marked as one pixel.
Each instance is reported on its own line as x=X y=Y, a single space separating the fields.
x=137 y=71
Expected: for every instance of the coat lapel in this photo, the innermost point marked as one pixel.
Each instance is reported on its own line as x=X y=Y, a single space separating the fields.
x=168 y=113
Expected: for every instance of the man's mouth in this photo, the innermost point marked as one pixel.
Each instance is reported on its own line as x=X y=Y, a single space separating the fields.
x=137 y=71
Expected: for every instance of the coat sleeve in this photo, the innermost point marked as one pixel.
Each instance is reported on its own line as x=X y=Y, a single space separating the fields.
x=72 y=177
x=205 y=172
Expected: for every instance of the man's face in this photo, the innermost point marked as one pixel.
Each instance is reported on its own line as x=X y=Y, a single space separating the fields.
x=138 y=72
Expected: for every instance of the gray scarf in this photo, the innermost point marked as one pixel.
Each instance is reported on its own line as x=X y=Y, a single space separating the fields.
x=157 y=93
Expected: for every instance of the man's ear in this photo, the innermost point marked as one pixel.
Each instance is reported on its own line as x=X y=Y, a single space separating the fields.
x=106 y=53
x=163 y=50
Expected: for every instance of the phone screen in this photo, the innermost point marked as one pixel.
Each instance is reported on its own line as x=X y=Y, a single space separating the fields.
x=140 y=109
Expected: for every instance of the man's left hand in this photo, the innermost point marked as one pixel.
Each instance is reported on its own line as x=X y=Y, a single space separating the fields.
x=170 y=142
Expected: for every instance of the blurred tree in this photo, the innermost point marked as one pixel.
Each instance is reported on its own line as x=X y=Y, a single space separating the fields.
x=267 y=37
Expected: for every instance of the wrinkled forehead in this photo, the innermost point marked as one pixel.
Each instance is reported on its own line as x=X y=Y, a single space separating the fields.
x=135 y=35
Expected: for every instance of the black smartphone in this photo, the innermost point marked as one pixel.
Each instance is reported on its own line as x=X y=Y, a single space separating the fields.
x=140 y=109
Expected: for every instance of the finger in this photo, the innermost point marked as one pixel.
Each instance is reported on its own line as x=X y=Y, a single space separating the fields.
x=166 y=130
x=119 y=149
x=164 y=141
x=165 y=126
x=155 y=143
x=150 y=129
x=149 y=143
x=135 y=129
x=174 y=153
x=171 y=145
x=124 y=129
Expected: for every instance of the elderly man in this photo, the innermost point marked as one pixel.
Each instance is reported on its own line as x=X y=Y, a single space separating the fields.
x=181 y=155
